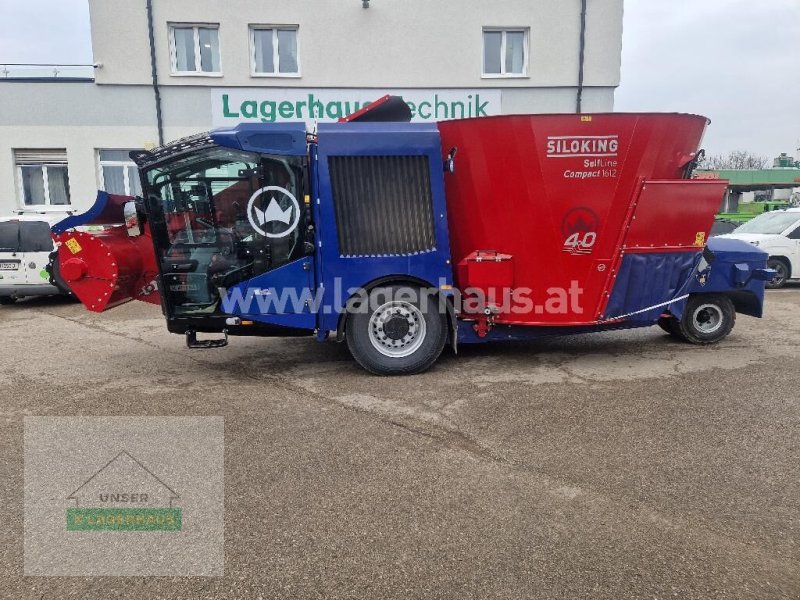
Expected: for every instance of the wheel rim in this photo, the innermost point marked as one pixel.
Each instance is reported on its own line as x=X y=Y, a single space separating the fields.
x=397 y=329
x=781 y=269
x=707 y=318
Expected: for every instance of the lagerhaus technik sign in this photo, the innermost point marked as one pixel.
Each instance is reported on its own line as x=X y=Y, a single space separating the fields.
x=230 y=106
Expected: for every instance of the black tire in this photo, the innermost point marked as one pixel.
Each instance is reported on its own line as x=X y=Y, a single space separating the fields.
x=707 y=319
x=381 y=336
x=54 y=269
x=4 y=300
x=782 y=267
x=671 y=325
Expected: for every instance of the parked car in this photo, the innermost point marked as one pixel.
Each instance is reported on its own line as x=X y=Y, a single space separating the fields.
x=25 y=247
x=778 y=233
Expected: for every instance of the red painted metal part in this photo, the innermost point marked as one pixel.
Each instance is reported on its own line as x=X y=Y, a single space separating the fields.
x=484 y=277
x=107 y=268
x=368 y=108
x=557 y=193
x=656 y=228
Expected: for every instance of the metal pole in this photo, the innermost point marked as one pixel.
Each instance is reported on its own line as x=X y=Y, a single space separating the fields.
x=154 y=71
x=581 y=57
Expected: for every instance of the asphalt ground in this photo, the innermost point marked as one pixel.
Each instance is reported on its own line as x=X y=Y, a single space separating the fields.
x=616 y=465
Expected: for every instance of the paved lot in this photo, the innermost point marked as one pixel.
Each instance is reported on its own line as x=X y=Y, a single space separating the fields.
x=622 y=465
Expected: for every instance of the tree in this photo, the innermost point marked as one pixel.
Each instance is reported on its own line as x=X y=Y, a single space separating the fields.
x=736 y=160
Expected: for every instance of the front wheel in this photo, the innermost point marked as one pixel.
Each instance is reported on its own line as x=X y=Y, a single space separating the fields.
x=398 y=330
x=707 y=319
x=7 y=300
x=782 y=270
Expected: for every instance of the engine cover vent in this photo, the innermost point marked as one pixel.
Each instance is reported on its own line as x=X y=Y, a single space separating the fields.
x=383 y=204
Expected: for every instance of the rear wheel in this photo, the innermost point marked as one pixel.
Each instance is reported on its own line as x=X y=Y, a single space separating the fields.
x=399 y=332
x=707 y=319
x=782 y=268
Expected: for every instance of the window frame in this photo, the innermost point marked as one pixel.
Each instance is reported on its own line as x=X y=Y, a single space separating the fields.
x=101 y=178
x=504 y=31
x=47 y=206
x=793 y=230
x=173 y=49
x=253 y=27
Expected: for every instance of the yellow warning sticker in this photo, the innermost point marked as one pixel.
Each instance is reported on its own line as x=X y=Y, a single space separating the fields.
x=73 y=245
x=700 y=239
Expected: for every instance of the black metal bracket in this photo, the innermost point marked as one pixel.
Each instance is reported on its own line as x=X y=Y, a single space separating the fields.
x=193 y=342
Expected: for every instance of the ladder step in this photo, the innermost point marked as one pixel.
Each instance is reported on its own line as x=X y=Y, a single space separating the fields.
x=193 y=342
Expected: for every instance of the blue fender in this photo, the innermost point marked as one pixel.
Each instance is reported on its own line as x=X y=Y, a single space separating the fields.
x=731 y=267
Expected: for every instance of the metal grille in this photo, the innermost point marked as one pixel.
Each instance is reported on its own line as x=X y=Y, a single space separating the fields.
x=383 y=204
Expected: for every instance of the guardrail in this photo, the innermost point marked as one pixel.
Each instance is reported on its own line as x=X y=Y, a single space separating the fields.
x=45 y=71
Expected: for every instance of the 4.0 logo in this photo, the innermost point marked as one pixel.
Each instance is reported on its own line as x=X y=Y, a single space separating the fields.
x=580 y=244
x=580 y=226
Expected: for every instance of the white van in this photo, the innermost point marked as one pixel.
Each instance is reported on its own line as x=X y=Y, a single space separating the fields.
x=25 y=247
x=776 y=232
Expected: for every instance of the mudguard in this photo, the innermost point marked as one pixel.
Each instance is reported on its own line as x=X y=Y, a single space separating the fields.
x=730 y=267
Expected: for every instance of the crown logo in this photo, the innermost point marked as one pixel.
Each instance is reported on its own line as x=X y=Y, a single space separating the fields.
x=580 y=225
x=273 y=213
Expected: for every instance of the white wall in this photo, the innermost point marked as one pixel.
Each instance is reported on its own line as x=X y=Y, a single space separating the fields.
x=407 y=43
x=81 y=143
x=80 y=117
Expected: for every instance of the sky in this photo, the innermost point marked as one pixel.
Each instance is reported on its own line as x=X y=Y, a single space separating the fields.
x=734 y=61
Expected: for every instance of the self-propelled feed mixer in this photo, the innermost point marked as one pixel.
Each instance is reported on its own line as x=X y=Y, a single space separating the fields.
x=400 y=237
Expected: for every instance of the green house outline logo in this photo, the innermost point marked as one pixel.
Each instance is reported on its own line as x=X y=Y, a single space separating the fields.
x=83 y=517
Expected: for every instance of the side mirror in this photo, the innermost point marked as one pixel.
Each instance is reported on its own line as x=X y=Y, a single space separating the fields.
x=131 y=217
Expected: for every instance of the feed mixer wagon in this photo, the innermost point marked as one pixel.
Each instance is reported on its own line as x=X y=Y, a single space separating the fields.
x=401 y=237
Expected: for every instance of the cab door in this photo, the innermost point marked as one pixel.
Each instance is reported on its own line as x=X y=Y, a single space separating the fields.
x=225 y=220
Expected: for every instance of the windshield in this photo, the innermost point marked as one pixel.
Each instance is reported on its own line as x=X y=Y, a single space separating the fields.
x=770 y=223
x=221 y=217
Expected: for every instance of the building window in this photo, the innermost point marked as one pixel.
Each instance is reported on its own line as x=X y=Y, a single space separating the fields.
x=118 y=173
x=42 y=177
x=505 y=52
x=274 y=51
x=195 y=49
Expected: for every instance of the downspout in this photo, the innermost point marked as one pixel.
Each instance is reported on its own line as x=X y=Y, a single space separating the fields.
x=581 y=57
x=154 y=72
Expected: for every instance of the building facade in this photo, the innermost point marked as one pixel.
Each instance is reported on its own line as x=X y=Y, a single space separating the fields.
x=165 y=69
